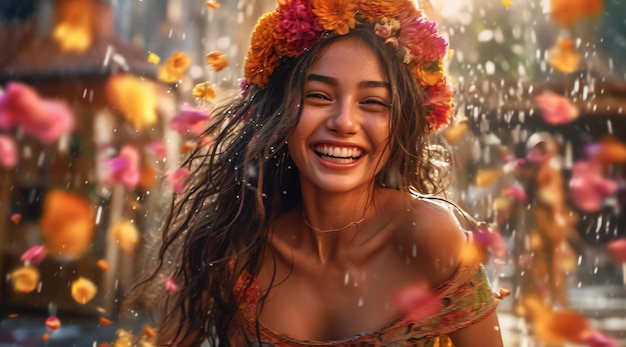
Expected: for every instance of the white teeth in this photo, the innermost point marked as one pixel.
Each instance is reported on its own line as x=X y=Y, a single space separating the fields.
x=338 y=152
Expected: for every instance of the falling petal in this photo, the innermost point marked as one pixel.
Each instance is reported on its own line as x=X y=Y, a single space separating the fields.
x=13 y=315
x=212 y=5
x=103 y=265
x=556 y=109
x=190 y=120
x=217 y=60
x=153 y=58
x=170 y=285
x=418 y=301
x=158 y=148
x=174 y=68
x=594 y=338
x=555 y=327
x=149 y=331
x=177 y=179
x=25 y=279
x=507 y=3
x=46 y=120
x=608 y=151
x=16 y=218
x=204 y=91
x=486 y=177
x=588 y=187
x=105 y=321
x=564 y=57
x=502 y=293
x=67 y=224
x=35 y=254
x=490 y=240
x=8 y=153
x=126 y=234
x=567 y=13
x=75 y=23
x=83 y=290
x=134 y=98
x=53 y=323
x=455 y=132
x=124 y=169
x=516 y=192
x=206 y=141
x=617 y=249
x=535 y=156
x=45 y=337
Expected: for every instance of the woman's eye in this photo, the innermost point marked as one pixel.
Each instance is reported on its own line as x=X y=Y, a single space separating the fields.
x=375 y=103
x=317 y=96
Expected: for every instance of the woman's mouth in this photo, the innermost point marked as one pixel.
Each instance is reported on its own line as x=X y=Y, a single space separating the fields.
x=337 y=154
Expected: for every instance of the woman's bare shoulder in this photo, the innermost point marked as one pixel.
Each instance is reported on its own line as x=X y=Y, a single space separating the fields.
x=429 y=231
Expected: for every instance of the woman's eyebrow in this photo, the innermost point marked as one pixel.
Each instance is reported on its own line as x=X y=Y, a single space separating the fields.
x=333 y=81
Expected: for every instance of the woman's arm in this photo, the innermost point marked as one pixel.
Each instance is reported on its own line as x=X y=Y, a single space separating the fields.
x=482 y=333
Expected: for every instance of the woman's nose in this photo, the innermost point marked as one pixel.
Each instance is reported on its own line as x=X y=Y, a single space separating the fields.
x=344 y=121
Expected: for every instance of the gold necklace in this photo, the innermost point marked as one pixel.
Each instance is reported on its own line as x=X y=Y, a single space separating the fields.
x=351 y=224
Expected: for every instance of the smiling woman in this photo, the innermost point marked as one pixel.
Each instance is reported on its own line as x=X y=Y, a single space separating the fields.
x=306 y=223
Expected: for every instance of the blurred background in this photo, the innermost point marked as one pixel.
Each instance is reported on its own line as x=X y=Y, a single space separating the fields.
x=93 y=94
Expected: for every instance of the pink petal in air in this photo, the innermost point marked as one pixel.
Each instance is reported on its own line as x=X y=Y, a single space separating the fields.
x=35 y=254
x=588 y=188
x=190 y=121
x=556 y=109
x=594 y=338
x=170 y=285
x=47 y=120
x=617 y=249
x=8 y=153
x=490 y=239
x=177 y=179
x=124 y=169
x=516 y=193
x=418 y=301
x=158 y=148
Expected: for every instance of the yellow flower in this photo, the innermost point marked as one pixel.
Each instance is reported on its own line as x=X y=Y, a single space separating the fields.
x=429 y=74
x=83 y=290
x=564 y=57
x=375 y=10
x=204 y=91
x=153 y=58
x=261 y=59
x=217 y=60
x=25 y=279
x=336 y=15
x=134 y=98
x=174 y=68
x=125 y=234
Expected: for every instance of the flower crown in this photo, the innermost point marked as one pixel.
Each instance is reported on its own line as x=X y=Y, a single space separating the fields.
x=296 y=25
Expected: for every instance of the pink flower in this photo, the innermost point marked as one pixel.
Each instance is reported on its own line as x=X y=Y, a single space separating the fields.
x=170 y=285
x=190 y=121
x=418 y=301
x=594 y=338
x=490 y=239
x=438 y=93
x=47 y=120
x=516 y=193
x=298 y=26
x=177 y=178
x=556 y=109
x=617 y=249
x=53 y=323
x=124 y=169
x=35 y=254
x=535 y=156
x=8 y=152
x=158 y=148
x=588 y=188
x=419 y=35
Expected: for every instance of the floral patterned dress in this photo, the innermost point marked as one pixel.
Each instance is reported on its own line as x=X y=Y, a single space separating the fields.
x=466 y=298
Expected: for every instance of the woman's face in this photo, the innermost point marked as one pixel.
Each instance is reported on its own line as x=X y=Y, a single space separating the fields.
x=340 y=141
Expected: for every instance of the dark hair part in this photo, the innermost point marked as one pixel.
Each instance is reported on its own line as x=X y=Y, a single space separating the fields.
x=216 y=230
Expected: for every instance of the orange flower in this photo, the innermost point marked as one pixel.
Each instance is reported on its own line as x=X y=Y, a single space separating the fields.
x=261 y=59
x=428 y=74
x=67 y=224
x=25 y=279
x=564 y=57
x=74 y=29
x=83 y=290
x=217 y=60
x=174 y=68
x=134 y=98
x=335 y=15
x=375 y=10
x=204 y=91
x=568 y=12
x=212 y=5
x=125 y=234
